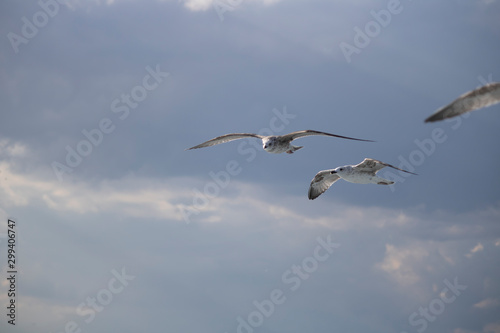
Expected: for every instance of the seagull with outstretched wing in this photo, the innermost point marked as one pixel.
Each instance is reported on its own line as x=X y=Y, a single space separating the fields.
x=362 y=173
x=274 y=144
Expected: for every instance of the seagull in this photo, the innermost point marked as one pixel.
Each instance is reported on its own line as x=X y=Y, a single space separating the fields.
x=363 y=173
x=475 y=99
x=274 y=144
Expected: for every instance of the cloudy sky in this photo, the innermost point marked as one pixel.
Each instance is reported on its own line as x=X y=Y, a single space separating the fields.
x=120 y=229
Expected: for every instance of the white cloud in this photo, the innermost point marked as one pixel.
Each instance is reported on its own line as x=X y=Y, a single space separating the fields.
x=132 y=196
x=487 y=303
x=197 y=5
x=194 y=5
x=12 y=150
x=492 y=328
x=400 y=263
x=40 y=311
x=478 y=248
x=461 y=330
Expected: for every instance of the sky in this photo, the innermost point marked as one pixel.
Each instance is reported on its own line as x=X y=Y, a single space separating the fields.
x=119 y=228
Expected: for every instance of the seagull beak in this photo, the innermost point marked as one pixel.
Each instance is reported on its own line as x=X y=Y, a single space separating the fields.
x=333 y=171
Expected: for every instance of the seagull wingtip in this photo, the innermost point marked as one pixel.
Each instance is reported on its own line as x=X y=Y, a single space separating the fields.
x=311 y=196
x=436 y=116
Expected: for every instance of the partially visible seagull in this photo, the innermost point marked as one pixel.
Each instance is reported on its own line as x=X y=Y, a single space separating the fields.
x=274 y=144
x=478 y=98
x=363 y=173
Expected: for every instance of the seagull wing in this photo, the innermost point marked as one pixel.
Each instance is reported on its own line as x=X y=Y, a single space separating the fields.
x=321 y=182
x=371 y=165
x=226 y=138
x=478 y=98
x=295 y=135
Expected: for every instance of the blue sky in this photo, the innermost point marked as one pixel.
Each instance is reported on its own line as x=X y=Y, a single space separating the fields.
x=121 y=229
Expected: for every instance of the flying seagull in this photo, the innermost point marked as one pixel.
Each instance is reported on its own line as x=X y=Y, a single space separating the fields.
x=363 y=173
x=478 y=98
x=274 y=144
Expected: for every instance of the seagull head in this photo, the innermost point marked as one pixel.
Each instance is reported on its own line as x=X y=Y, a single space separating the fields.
x=268 y=143
x=342 y=170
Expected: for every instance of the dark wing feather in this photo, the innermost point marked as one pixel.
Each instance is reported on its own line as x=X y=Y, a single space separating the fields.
x=295 y=135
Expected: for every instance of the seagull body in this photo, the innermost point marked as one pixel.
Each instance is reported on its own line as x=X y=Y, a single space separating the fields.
x=362 y=173
x=274 y=144
x=478 y=98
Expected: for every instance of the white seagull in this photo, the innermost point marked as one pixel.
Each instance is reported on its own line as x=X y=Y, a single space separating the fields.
x=478 y=98
x=363 y=173
x=274 y=144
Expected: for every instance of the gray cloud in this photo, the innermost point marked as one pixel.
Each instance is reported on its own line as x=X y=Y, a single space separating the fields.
x=121 y=206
